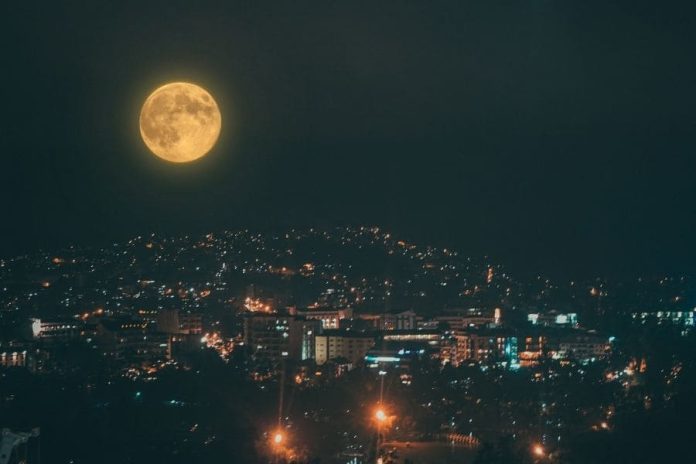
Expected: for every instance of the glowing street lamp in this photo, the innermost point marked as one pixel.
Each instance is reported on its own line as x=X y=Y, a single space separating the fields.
x=277 y=446
x=381 y=420
x=538 y=450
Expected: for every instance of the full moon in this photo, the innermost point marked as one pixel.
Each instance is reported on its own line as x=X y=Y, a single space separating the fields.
x=180 y=122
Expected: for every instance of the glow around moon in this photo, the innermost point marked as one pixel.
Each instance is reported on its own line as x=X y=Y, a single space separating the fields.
x=180 y=122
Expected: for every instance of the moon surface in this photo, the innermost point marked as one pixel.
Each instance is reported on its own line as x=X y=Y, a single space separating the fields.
x=180 y=122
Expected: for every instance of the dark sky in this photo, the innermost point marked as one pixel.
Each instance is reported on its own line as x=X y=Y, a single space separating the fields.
x=555 y=136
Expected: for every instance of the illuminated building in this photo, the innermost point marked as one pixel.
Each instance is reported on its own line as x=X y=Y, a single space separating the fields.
x=330 y=318
x=685 y=319
x=405 y=320
x=13 y=359
x=448 y=352
x=430 y=324
x=561 y=343
x=342 y=344
x=131 y=342
x=260 y=305
x=482 y=346
x=402 y=346
x=56 y=330
x=273 y=337
x=461 y=319
x=531 y=348
x=267 y=336
x=553 y=318
x=397 y=355
x=432 y=337
x=583 y=347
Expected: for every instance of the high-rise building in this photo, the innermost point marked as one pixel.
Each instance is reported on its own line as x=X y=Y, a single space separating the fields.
x=302 y=338
x=274 y=337
x=173 y=321
x=267 y=337
x=342 y=344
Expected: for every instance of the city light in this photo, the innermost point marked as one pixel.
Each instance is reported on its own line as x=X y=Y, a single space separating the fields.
x=538 y=450
x=161 y=329
x=400 y=234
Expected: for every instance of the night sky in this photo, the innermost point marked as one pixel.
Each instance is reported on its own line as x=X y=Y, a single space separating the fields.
x=557 y=137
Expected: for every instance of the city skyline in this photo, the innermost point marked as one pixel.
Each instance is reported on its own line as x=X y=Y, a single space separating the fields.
x=348 y=232
x=335 y=345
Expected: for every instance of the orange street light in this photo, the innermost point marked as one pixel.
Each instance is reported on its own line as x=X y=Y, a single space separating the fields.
x=380 y=415
x=278 y=438
x=538 y=450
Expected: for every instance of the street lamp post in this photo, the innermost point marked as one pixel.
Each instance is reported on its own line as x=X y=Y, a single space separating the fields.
x=539 y=452
x=277 y=445
x=380 y=418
